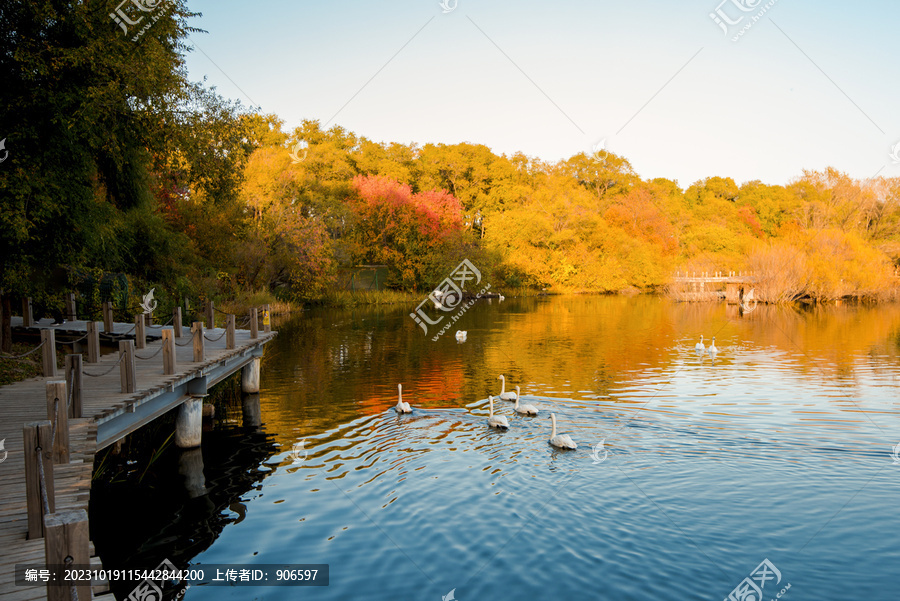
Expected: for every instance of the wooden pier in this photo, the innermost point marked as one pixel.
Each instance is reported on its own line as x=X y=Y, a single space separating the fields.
x=706 y=286
x=88 y=407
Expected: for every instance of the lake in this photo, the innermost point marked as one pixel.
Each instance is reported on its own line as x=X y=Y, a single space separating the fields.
x=777 y=449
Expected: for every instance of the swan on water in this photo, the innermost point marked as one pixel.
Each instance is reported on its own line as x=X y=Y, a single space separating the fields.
x=505 y=396
x=524 y=409
x=699 y=346
x=461 y=335
x=496 y=421
x=712 y=347
x=563 y=441
x=401 y=407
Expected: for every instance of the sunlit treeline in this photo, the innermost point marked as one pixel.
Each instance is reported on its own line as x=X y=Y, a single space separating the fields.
x=589 y=223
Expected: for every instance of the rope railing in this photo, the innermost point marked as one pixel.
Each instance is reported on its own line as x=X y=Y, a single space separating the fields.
x=151 y=356
x=162 y=325
x=72 y=342
x=217 y=338
x=70 y=386
x=23 y=355
x=73 y=591
x=189 y=341
x=121 y=356
x=125 y=333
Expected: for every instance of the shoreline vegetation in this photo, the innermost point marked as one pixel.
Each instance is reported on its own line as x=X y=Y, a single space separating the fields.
x=145 y=180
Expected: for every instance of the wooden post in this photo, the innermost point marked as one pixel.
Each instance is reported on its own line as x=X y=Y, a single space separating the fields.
x=140 y=331
x=48 y=353
x=126 y=348
x=56 y=391
x=267 y=320
x=197 y=329
x=176 y=322
x=210 y=314
x=254 y=323
x=74 y=367
x=71 y=314
x=37 y=442
x=107 y=317
x=93 y=342
x=168 y=342
x=27 y=313
x=66 y=543
x=229 y=331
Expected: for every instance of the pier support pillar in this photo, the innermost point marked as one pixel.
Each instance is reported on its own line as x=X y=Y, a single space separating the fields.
x=190 y=466
x=250 y=376
x=251 y=411
x=189 y=423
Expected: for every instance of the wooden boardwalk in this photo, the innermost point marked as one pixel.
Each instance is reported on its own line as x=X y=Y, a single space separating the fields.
x=104 y=407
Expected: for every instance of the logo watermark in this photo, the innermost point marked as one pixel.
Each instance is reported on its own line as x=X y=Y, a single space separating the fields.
x=4 y=453
x=3 y=148
x=298 y=452
x=148 y=304
x=750 y=589
x=151 y=590
x=724 y=20
x=895 y=455
x=595 y=452
x=448 y=6
x=895 y=152
x=123 y=19
x=600 y=150
x=303 y=146
x=448 y=297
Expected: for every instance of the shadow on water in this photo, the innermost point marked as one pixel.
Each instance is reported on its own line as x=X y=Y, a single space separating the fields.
x=144 y=509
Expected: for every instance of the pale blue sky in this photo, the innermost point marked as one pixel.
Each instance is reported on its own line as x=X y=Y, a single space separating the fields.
x=552 y=79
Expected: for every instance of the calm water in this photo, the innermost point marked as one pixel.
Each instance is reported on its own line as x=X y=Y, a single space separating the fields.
x=780 y=448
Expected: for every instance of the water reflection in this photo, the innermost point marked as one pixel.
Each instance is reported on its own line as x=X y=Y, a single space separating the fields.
x=714 y=460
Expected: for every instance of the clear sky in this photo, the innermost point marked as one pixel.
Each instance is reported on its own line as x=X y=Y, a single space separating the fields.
x=810 y=84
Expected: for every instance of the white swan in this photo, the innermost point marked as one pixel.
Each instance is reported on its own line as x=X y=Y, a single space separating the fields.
x=461 y=335
x=496 y=421
x=438 y=305
x=563 y=441
x=699 y=346
x=712 y=347
x=502 y=298
x=505 y=396
x=524 y=409
x=401 y=407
